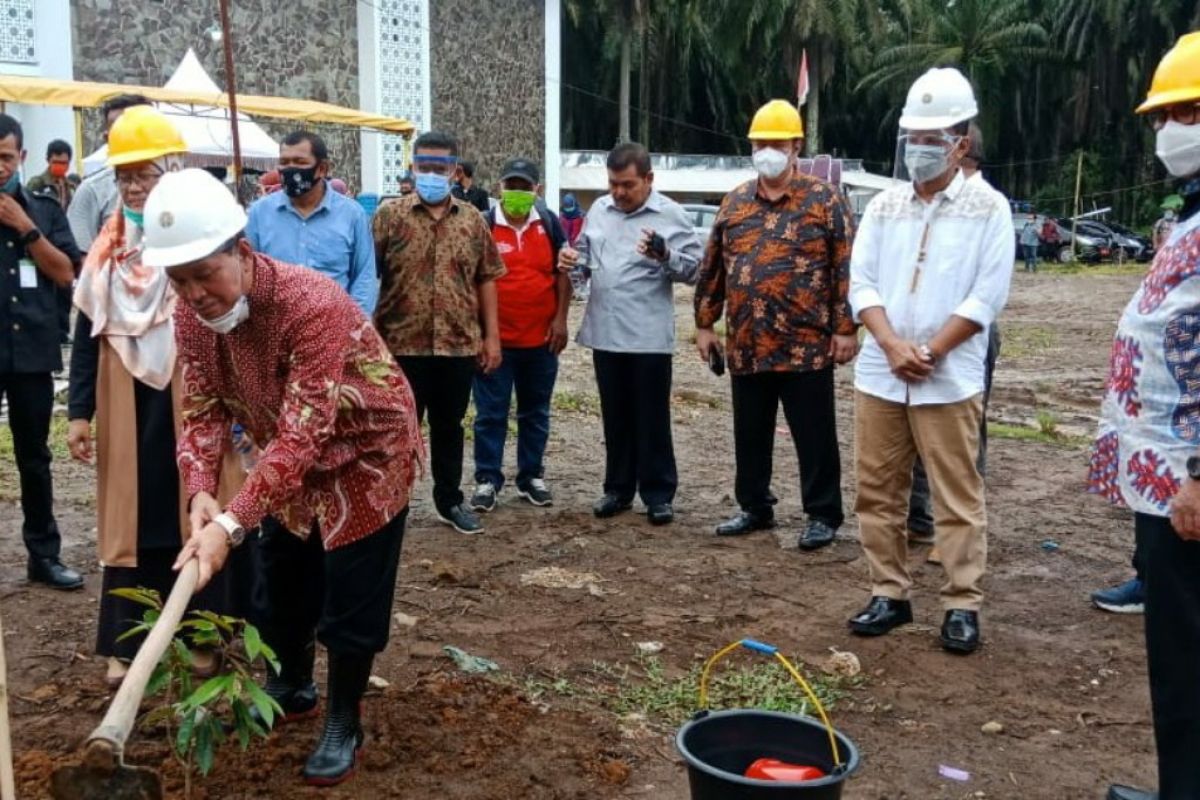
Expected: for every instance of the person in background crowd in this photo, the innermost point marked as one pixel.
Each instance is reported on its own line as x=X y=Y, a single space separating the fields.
x=572 y=218
x=534 y=298
x=1029 y=246
x=438 y=309
x=123 y=374
x=57 y=184
x=284 y=352
x=38 y=258
x=920 y=378
x=778 y=259
x=1146 y=456
x=339 y=186
x=635 y=245
x=407 y=183
x=1050 y=232
x=57 y=181
x=465 y=188
x=269 y=183
x=310 y=225
x=97 y=197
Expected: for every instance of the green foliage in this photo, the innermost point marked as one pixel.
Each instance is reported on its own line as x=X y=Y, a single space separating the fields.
x=199 y=719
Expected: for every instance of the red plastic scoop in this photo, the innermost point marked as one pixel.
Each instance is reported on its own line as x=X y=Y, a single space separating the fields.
x=772 y=769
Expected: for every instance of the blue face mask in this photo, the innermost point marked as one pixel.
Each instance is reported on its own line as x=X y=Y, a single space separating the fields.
x=14 y=183
x=433 y=189
x=136 y=217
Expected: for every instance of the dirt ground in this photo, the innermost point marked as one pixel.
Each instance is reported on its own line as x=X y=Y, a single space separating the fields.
x=1066 y=682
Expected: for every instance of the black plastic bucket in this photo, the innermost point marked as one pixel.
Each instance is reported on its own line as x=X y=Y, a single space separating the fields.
x=721 y=745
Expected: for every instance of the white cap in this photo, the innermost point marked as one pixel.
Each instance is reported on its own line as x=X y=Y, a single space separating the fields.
x=188 y=216
x=941 y=98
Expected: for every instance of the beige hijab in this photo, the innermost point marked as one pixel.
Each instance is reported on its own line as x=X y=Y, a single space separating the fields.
x=128 y=302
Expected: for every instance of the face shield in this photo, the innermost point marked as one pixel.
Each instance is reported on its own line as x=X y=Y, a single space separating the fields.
x=924 y=156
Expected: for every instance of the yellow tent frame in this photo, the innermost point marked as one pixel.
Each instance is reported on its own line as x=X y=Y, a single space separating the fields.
x=84 y=94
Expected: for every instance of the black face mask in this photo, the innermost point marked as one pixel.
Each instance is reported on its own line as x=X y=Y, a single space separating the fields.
x=298 y=180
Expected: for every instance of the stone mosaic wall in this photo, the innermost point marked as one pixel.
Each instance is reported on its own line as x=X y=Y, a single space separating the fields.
x=488 y=67
x=303 y=48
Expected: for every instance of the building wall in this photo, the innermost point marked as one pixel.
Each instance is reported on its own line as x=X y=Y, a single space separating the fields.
x=488 y=79
x=304 y=48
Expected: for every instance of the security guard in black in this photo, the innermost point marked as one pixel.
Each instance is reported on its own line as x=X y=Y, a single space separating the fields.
x=37 y=255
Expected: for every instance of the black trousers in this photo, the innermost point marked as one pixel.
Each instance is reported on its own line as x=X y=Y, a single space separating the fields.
x=635 y=403
x=30 y=403
x=920 y=504
x=442 y=386
x=344 y=596
x=809 y=407
x=1172 y=569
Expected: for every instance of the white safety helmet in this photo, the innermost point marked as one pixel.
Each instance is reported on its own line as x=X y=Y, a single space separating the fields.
x=188 y=216
x=941 y=98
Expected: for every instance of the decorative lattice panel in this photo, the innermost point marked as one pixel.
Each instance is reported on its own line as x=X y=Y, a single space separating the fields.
x=403 y=79
x=17 y=31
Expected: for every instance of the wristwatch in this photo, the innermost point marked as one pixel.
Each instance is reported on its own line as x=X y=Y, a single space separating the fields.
x=1193 y=468
x=234 y=531
x=29 y=237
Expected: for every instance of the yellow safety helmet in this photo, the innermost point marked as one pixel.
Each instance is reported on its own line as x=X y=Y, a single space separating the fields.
x=1177 y=78
x=778 y=120
x=140 y=134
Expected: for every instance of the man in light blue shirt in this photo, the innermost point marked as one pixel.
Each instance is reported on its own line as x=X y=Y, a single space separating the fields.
x=309 y=224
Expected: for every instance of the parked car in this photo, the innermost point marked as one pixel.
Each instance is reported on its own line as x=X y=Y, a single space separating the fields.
x=1136 y=246
x=702 y=218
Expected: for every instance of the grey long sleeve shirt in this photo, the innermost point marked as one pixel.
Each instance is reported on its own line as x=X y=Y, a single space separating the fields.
x=630 y=307
x=94 y=202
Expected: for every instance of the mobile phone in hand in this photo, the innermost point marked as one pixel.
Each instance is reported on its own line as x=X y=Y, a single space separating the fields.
x=716 y=360
x=656 y=248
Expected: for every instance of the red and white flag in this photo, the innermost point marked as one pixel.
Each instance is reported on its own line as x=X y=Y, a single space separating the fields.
x=802 y=80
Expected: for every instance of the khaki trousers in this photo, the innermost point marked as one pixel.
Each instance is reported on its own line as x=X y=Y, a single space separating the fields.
x=888 y=438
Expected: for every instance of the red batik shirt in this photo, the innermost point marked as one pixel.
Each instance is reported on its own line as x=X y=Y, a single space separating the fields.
x=313 y=384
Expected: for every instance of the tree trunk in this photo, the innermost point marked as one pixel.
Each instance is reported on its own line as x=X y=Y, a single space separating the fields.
x=644 y=89
x=626 y=65
x=812 y=108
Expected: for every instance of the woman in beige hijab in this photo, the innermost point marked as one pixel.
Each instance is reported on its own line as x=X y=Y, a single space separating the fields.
x=122 y=365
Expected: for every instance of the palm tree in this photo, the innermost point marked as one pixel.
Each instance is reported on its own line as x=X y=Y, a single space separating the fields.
x=623 y=20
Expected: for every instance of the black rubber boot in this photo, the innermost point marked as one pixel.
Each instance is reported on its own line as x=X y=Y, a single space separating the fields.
x=334 y=759
x=293 y=688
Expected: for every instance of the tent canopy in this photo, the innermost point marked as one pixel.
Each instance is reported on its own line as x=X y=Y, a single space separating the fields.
x=83 y=94
x=206 y=129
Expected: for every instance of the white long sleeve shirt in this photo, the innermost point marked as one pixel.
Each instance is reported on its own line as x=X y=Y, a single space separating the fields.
x=923 y=263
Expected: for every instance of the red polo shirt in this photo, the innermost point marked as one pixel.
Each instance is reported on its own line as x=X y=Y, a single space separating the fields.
x=527 y=292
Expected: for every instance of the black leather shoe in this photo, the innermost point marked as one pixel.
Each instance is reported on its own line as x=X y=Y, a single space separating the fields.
x=746 y=522
x=660 y=514
x=1116 y=792
x=881 y=616
x=610 y=505
x=960 y=631
x=816 y=535
x=336 y=754
x=51 y=572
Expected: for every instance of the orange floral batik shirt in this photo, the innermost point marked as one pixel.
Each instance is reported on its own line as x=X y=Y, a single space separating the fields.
x=779 y=271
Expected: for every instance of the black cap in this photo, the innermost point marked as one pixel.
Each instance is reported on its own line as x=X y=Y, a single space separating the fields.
x=520 y=168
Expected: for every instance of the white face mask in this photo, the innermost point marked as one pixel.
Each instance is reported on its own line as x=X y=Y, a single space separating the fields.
x=230 y=319
x=771 y=163
x=1178 y=148
x=925 y=162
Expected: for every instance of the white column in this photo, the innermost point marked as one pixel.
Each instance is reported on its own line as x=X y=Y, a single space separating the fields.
x=368 y=96
x=553 y=157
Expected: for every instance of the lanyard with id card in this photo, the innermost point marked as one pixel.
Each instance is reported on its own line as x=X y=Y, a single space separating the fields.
x=29 y=271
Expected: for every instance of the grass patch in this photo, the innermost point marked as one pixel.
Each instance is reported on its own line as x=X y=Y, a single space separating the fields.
x=1021 y=341
x=1045 y=433
x=576 y=402
x=644 y=686
x=1079 y=268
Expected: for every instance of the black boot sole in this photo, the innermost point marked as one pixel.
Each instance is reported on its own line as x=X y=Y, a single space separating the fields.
x=608 y=513
x=810 y=546
x=877 y=628
x=958 y=646
x=744 y=531
x=345 y=776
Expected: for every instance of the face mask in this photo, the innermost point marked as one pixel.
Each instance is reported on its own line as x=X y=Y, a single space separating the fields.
x=925 y=161
x=433 y=189
x=59 y=170
x=230 y=319
x=298 y=180
x=517 y=203
x=1178 y=148
x=136 y=217
x=13 y=183
x=771 y=163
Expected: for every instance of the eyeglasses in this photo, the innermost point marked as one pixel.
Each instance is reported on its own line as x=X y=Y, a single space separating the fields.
x=1184 y=114
x=145 y=180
